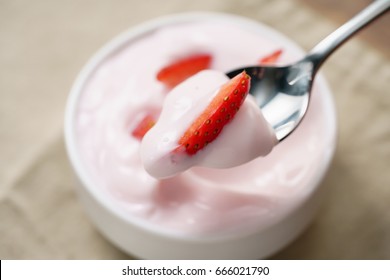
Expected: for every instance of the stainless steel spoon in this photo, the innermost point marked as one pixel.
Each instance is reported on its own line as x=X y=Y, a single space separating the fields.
x=283 y=93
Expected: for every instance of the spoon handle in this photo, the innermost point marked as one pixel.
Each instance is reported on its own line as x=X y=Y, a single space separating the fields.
x=328 y=45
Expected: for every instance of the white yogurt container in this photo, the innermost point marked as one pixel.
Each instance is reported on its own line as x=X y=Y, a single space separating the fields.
x=247 y=212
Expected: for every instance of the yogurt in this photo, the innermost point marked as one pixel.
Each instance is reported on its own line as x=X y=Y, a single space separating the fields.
x=200 y=202
x=246 y=137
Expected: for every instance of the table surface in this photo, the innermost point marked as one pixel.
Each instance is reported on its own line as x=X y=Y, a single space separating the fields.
x=44 y=44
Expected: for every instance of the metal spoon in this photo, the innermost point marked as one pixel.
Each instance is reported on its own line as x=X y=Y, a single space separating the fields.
x=283 y=93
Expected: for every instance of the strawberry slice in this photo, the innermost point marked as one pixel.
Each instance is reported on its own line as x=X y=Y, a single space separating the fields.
x=143 y=126
x=271 y=58
x=182 y=69
x=217 y=114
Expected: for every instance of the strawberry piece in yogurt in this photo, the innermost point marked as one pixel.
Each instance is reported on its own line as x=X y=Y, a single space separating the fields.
x=143 y=126
x=221 y=111
x=271 y=58
x=178 y=71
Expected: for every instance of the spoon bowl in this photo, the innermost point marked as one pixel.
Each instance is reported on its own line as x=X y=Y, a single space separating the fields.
x=283 y=93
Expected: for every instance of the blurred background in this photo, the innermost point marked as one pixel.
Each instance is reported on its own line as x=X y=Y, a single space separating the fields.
x=45 y=43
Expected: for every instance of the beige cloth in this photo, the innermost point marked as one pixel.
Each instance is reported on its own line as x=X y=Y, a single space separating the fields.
x=43 y=45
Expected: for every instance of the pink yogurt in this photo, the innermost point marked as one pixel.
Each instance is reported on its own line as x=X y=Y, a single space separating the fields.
x=200 y=202
x=246 y=137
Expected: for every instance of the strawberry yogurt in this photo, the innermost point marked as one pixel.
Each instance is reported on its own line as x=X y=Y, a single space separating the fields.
x=261 y=193
x=245 y=138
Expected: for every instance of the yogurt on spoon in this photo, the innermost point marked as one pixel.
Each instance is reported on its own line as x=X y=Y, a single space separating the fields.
x=241 y=137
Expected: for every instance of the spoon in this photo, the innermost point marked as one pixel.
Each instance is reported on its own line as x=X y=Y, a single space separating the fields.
x=283 y=93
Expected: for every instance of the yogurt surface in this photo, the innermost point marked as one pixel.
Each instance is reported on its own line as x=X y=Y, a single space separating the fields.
x=201 y=201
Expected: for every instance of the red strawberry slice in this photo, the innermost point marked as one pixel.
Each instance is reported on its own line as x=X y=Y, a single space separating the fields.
x=271 y=58
x=182 y=69
x=217 y=114
x=143 y=126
